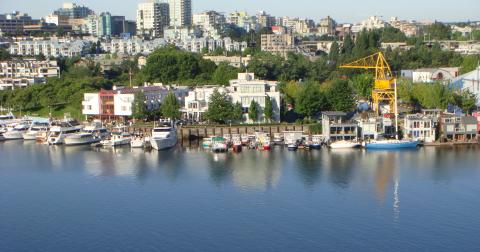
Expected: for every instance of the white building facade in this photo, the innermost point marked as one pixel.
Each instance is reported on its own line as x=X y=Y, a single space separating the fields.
x=246 y=89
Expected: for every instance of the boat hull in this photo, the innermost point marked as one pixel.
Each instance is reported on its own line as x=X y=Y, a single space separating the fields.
x=73 y=141
x=392 y=145
x=163 y=143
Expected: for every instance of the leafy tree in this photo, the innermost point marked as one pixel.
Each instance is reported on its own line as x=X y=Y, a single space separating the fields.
x=268 y=109
x=439 y=31
x=363 y=85
x=224 y=73
x=347 y=45
x=334 y=51
x=391 y=34
x=253 y=111
x=310 y=100
x=139 y=110
x=237 y=112
x=466 y=100
x=170 y=107
x=340 y=96
x=220 y=108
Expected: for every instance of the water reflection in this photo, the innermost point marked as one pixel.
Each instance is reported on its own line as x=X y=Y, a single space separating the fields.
x=379 y=171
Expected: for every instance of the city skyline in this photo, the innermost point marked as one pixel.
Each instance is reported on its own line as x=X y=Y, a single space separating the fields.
x=425 y=10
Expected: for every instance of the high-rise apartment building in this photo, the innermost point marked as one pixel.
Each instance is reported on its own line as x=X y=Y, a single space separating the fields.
x=180 y=13
x=152 y=17
x=73 y=11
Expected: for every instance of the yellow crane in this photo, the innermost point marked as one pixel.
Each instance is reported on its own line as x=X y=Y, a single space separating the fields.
x=383 y=91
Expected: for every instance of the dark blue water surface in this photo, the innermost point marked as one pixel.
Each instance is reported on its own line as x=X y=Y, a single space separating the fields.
x=80 y=199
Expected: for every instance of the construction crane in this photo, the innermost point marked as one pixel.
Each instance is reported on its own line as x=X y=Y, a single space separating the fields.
x=383 y=91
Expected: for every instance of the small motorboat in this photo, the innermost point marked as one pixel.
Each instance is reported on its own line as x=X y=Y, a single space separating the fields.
x=237 y=146
x=219 y=144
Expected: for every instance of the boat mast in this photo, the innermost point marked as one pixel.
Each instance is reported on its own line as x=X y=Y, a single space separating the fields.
x=396 y=110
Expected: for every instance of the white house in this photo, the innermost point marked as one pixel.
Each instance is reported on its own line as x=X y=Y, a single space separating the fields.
x=420 y=127
x=246 y=89
x=196 y=102
x=91 y=104
x=123 y=104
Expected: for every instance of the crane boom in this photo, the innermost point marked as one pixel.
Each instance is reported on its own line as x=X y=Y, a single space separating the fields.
x=384 y=80
x=383 y=72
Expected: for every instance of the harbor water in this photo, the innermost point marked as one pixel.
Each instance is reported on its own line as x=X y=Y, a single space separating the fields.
x=56 y=198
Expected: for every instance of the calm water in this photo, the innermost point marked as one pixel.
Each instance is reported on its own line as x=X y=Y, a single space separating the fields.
x=79 y=199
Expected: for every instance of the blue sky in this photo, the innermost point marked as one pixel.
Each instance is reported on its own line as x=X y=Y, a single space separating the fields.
x=342 y=11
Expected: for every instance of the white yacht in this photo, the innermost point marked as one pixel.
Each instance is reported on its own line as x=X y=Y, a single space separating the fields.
x=60 y=130
x=163 y=138
x=92 y=133
x=118 y=137
x=16 y=132
x=35 y=129
x=344 y=144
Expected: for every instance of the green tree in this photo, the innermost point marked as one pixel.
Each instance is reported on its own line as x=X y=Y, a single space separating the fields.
x=439 y=31
x=220 y=108
x=237 y=112
x=268 y=109
x=139 y=110
x=347 y=45
x=466 y=100
x=363 y=85
x=253 y=111
x=224 y=73
x=170 y=107
x=310 y=100
x=334 y=51
x=340 y=96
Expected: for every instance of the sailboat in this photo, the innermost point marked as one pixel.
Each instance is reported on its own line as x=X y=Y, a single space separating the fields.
x=395 y=143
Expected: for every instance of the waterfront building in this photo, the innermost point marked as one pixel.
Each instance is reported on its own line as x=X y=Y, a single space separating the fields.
x=455 y=127
x=196 y=102
x=336 y=127
x=246 y=89
x=370 y=128
x=117 y=104
x=152 y=17
x=420 y=127
x=50 y=48
x=21 y=73
x=477 y=115
x=469 y=82
x=180 y=12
